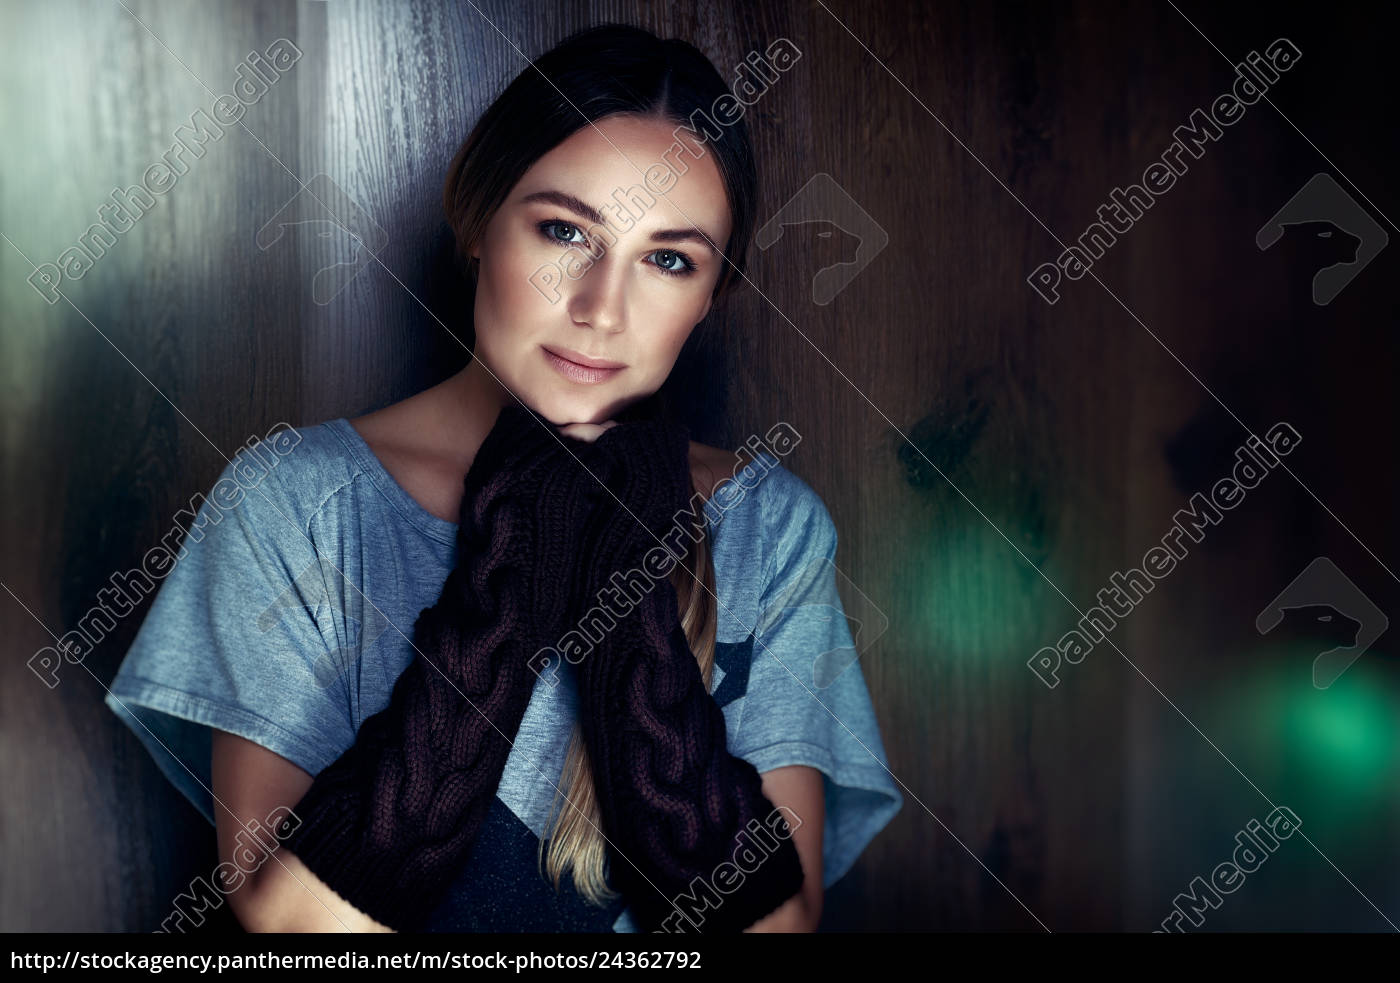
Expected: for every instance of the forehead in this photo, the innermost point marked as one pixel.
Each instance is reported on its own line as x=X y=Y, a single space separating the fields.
x=613 y=155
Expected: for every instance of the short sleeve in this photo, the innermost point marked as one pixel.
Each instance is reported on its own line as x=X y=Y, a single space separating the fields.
x=232 y=638
x=806 y=701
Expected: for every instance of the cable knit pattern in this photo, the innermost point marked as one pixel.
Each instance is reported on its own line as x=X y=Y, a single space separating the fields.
x=390 y=823
x=673 y=799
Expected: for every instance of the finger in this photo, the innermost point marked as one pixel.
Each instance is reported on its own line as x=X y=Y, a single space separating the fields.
x=588 y=432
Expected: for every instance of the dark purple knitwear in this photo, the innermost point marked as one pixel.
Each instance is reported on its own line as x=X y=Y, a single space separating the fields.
x=673 y=799
x=391 y=822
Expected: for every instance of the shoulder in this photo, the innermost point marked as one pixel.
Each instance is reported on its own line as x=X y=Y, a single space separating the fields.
x=710 y=466
x=799 y=529
x=291 y=470
x=778 y=506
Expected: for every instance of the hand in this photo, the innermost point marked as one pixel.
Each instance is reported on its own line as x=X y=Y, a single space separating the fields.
x=674 y=802
x=644 y=471
x=587 y=431
x=516 y=456
x=524 y=507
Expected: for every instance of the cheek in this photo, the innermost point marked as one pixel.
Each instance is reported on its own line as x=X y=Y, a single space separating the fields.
x=665 y=346
x=509 y=281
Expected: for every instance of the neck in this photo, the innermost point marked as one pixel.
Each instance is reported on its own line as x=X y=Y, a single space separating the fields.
x=462 y=410
x=475 y=394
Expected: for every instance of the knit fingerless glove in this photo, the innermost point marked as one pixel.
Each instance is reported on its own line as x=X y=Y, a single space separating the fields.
x=674 y=801
x=390 y=823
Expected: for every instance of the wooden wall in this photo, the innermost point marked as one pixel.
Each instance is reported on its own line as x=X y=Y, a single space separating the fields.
x=989 y=459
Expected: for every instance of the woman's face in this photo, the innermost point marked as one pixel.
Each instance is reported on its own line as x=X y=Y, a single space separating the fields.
x=552 y=287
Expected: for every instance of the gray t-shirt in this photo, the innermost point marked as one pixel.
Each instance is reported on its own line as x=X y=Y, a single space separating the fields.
x=288 y=615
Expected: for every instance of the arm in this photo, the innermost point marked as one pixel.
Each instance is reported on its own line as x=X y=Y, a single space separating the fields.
x=391 y=822
x=682 y=813
x=799 y=788
x=282 y=895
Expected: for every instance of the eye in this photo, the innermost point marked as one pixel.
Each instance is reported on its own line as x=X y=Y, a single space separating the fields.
x=545 y=228
x=669 y=261
x=669 y=257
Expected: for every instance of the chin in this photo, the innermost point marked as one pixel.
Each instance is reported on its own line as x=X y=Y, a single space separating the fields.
x=561 y=408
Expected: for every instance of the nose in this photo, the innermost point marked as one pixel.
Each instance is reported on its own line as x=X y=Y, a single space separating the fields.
x=599 y=299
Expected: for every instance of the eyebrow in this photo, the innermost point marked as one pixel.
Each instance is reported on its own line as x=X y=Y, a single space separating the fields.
x=580 y=207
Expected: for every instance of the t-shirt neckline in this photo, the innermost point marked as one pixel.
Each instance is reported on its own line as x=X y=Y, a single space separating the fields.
x=431 y=525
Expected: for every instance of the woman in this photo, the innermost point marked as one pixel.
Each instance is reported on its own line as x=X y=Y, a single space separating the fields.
x=298 y=601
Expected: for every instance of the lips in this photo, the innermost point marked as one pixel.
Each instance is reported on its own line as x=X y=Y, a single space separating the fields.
x=588 y=371
x=578 y=358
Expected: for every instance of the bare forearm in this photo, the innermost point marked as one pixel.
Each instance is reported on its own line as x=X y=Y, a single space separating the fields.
x=390 y=823
x=284 y=895
x=683 y=811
